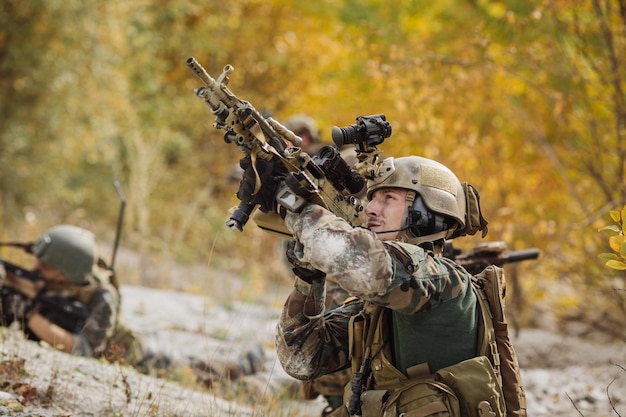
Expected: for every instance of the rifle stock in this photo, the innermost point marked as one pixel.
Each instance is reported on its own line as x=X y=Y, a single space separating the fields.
x=267 y=139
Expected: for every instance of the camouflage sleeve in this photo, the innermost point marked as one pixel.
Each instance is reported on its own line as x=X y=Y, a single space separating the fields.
x=92 y=340
x=348 y=254
x=310 y=342
x=398 y=276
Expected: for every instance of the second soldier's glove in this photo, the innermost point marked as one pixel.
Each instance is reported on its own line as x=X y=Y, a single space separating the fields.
x=15 y=307
x=304 y=271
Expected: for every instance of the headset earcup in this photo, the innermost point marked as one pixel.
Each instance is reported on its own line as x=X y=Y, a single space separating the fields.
x=424 y=222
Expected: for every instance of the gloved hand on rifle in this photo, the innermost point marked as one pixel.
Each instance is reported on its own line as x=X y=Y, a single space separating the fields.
x=260 y=182
x=303 y=270
x=275 y=189
x=15 y=307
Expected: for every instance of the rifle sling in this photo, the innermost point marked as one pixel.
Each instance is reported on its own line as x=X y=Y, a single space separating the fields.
x=365 y=368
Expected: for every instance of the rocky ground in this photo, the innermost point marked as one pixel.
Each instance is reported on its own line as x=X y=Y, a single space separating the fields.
x=563 y=375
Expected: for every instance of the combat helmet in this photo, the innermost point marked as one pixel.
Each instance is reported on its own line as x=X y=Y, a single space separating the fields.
x=70 y=249
x=437 y=206
x=300 y=123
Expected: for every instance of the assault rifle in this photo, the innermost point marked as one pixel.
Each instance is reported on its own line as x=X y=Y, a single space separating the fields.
x=488 y=253
x=19 y=271
x=264 y=138
x=66 y=313
x=15 y=281
x=23 y=280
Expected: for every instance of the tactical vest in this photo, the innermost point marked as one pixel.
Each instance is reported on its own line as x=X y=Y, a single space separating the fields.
x=123 y=346
x=493 y=344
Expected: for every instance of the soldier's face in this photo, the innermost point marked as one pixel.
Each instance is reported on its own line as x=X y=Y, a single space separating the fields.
x=386 y=211
x=49 y=273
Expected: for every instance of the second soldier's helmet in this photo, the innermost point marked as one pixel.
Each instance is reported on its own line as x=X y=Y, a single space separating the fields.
x=70 y=249
x=439 y=201
x=300 y=123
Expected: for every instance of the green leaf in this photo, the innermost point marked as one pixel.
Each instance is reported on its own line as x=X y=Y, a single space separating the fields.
x=622 y=250
x=608 y=257
x=619 y=265
x=612 y=228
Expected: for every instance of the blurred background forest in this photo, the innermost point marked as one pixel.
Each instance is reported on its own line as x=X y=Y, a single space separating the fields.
x=525 y=99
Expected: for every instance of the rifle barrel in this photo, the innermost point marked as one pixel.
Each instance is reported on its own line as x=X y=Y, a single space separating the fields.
x=120 y=221
x=521 y=255
x=18 y=271
x=201 y=73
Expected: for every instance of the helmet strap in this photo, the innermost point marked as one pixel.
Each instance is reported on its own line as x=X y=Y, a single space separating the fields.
x=426 y=238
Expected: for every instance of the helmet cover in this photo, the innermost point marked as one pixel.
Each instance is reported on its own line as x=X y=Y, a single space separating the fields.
x=439 y=188
x=69 y=249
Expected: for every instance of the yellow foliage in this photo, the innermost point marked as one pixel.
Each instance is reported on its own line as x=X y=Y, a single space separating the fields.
x=518 y=98
x=617 y=242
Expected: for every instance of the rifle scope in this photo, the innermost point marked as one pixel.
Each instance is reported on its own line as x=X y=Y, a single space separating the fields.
x=368 y=130
x=338 y=171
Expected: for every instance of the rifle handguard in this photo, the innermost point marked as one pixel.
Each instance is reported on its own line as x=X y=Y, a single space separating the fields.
x=296 y=192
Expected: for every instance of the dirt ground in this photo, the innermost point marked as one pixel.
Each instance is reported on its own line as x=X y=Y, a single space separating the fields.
x=563 y=375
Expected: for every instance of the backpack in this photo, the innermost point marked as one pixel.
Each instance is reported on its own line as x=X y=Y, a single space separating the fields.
x=488 y=385
x=490 y=289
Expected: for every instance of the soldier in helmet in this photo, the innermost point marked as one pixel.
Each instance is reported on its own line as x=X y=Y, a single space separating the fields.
x=75 y=305
x=304 y=127
x=420 y=305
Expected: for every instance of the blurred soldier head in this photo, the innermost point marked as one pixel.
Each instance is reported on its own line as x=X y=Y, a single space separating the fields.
x=305 y=127
x=66 y=253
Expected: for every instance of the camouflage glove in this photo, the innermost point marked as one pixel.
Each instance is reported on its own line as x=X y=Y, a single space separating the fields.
x=304 y=271
x=267 y=177
x=15 y=307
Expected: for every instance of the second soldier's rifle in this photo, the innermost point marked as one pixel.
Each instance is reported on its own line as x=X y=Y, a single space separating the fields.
x=261 y=138
x=22 y=280
x=488 y=253
x=18 y=271
x=15 y=282
x=68 y=313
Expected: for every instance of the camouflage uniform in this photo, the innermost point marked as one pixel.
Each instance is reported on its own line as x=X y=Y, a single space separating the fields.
x=312 y=342
x=99 y=327
x=330 y=386
x=93 y=311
